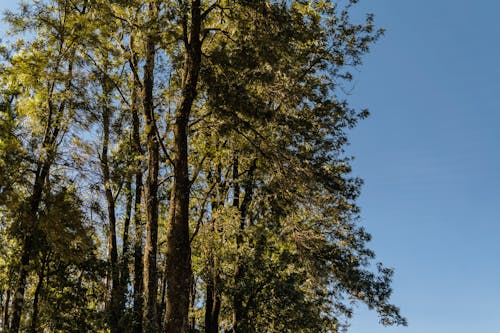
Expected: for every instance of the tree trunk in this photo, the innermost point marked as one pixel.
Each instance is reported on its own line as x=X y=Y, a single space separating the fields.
x=28 y=243
x=240 y=317
x=150 y=323
x=192 y=303
x=17 y=305
x=125 y=260
x=5 y=314
x=34 y=317
x=138 y=261
x=237 y=299
x=115 y=307
x=213 y=294
x=139 y=230
x=178 y=244
x=124 y=270
x=213 y=299
x=163 y=297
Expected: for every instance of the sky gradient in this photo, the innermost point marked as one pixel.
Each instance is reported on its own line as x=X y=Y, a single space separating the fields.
x=430 y=157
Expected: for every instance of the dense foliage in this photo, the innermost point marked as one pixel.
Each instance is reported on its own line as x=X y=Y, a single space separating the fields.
x=179 y=166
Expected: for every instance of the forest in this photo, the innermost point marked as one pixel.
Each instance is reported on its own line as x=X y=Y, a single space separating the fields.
x=181 y=166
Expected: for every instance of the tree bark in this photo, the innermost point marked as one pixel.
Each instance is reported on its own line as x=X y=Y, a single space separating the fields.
x=125 y=260
x=5 y=314
x=34 y=317
x=213 y=294
x=139 y=230
x=138 y=260
x=115 y=307
x=150 y=320
x=237 y=299
x=240 y=317
x=124 y=270
x=178 y=244
x=163 y=297
x=213 y=299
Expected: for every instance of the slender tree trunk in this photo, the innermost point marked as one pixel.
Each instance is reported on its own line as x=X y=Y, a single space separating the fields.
x=213 y=293
x=192 y=321
x=28 y=244
x=237 y=299
x=125 y=260
x=126 y=225
x=17 y=305
x=5 y=314
x=213 y=300
x=211 y=316
x=139 y=230
x=240 y=316
x=138 y=260
x=150 y=323
x=163 y=297
x=178 y=245
x=34 y=317
x=124 y=269
x=115 y=308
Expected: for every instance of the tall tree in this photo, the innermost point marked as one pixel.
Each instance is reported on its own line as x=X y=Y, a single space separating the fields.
x=216 y=130
x=178 y=245
x=150 y=323
x=52 y=59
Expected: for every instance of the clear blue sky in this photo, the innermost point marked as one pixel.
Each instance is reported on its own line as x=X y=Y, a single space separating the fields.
x=430 y=157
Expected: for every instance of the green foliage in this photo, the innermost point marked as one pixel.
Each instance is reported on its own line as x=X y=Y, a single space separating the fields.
x=71 y=267
x=274 y=237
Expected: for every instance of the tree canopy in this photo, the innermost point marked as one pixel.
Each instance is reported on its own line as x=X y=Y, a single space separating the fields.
x=180 y=166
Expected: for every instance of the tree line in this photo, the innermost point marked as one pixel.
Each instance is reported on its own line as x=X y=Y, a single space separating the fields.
x=180 y=166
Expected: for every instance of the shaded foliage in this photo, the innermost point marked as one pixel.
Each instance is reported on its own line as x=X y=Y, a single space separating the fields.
x=181 y=166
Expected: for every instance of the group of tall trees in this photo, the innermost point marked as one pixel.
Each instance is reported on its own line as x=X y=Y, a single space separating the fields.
x=179 y=166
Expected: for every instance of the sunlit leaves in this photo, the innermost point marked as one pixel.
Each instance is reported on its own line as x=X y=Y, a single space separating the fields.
x=272 y=202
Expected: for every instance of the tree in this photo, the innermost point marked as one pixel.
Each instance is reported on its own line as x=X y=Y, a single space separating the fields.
x=68 y=268
x=46 y=104
x=215 y=128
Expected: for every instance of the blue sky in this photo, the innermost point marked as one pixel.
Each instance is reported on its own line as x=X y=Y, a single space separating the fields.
x=430 y=158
